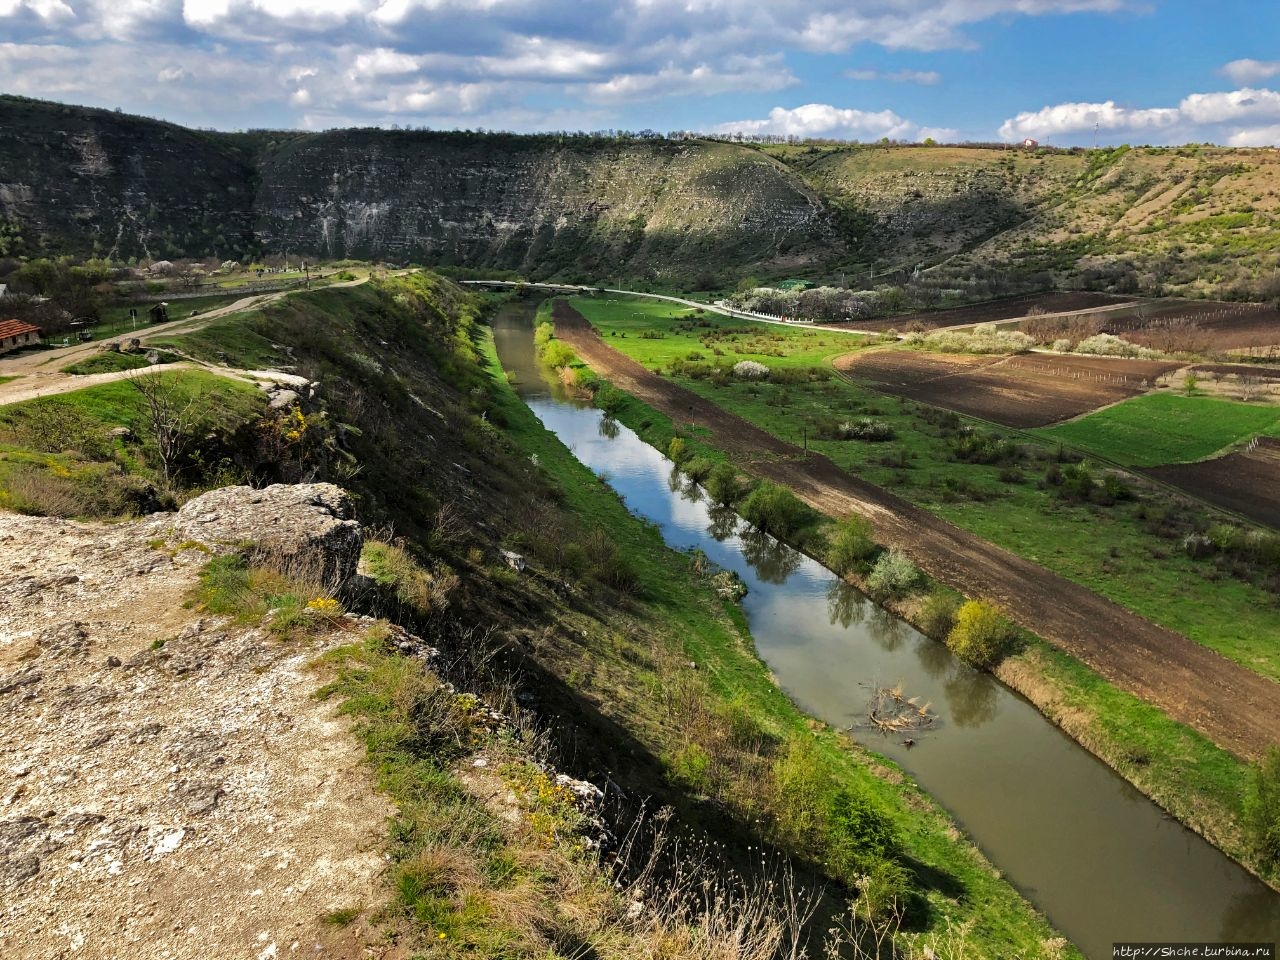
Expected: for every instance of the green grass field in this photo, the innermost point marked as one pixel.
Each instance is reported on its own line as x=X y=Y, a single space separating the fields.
x=620 y=318
x=1164 y=428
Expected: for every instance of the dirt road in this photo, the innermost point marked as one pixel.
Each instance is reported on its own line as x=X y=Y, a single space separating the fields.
x=1231 y=705
x=40 y=374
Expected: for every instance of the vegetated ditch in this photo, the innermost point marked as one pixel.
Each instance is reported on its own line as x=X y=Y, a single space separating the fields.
x=1101 y=860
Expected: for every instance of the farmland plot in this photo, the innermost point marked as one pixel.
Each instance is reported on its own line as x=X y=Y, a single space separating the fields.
x=1021 y=391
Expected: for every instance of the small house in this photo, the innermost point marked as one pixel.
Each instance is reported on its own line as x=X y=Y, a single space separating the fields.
x=15 y=334
x=159 y=313
x=1030 y=144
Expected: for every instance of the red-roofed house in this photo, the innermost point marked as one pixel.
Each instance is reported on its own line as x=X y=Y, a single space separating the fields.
x=15 y=334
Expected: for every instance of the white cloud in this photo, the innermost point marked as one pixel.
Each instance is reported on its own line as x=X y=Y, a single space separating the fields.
x=1255 y=137
x=825 y=120
x=383 y=62
x=1199 y=116
x=47 y=11
x=1244 y=104
x=1250 y=71
x=736 y=74
x=925 y=77
x=1065 y=118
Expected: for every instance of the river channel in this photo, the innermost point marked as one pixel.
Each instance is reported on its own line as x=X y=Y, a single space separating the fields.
x=1103 y=862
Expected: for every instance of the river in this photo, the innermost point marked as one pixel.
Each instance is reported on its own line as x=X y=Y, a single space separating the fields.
x=1103 y=862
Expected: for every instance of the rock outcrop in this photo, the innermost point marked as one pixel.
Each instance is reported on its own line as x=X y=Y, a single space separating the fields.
x=305 y=530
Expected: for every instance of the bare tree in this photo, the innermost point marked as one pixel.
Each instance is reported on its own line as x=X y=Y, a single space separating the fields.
x=171 y=418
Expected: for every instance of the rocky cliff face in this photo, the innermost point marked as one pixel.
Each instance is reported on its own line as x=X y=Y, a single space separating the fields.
x=98 y=183
x=94 y=182
x=537 y=205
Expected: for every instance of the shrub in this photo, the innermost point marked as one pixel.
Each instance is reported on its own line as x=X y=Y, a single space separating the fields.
x=697 y=469
x=1109 y=345
x=871 y=431
x=982 y=634
x=885 y=892
x=938 y=613
x=1262 y=809
x=1062 y=346
x=678 y=451
x=750 y=370
x=893 y=575
x=984 y=338
x=775 y=510
x=851 y=547
x=860 y=834
x=723 y=485
x=609 y=398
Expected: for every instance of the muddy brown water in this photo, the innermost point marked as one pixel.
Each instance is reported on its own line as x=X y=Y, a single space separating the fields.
x=1101 y=861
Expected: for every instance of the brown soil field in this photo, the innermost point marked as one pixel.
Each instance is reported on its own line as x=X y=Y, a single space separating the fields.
x=990 y=311
x=1247 y=482
x=1220 y=370
x=1198 y=326
x=1027 y=390
x=1225 y=701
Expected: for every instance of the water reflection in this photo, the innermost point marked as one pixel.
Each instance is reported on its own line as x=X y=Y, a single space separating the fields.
x=608 y=428
x=723 y=523
x=972 y=697
x=772 y=560
x=675 y=479
x=886 y=629
x=846 y=605
x=934 y=658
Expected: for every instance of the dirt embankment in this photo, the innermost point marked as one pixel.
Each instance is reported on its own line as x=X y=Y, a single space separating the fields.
x=1231 y=705
x=169 y=785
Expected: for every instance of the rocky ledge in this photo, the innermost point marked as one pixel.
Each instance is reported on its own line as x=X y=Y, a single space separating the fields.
x=169 y=785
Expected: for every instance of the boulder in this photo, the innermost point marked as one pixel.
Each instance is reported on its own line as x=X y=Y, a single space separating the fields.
x=304 y=530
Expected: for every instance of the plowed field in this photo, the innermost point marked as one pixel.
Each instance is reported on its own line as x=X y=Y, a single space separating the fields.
x=1247 y=482
x=1028 y=390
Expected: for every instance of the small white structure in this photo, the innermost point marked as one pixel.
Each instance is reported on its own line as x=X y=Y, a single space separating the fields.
x=514 y=560
x=1030 y=144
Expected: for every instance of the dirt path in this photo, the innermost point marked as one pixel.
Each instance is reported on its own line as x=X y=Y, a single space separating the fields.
x=40 y=374
x=1228 y=703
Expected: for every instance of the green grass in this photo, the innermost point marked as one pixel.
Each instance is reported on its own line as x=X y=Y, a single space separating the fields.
x=57 y=456
x=1166 y=428
x=627 y=318
x=1106 y=549
x=110 y=362
x=221 y=401
x=235 y=337
x=715 y=636
x=116 y=323
x=8 y=379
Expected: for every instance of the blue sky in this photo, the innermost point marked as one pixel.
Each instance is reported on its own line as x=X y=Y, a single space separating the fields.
x=1141 y=71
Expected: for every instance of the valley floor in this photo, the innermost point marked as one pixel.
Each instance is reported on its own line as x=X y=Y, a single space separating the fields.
x=1227 y=702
